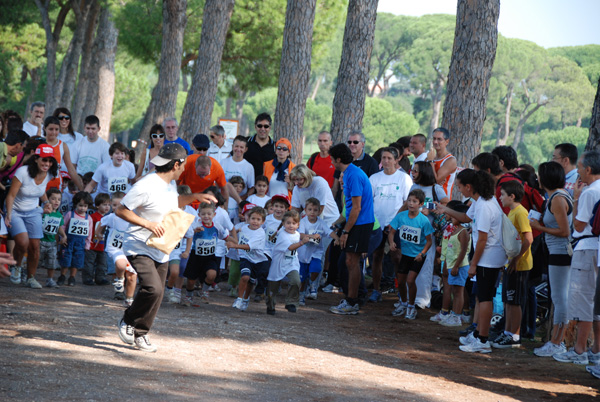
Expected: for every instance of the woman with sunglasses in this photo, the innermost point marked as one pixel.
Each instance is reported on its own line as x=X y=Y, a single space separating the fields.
x=278 y=169
x=157 y=140
x=23 y=214
x=67 y=135
x=62 y=153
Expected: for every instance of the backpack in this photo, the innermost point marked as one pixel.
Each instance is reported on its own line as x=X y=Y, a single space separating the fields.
x=511 y=241
x=533 y=197
x=595 y=220
x=311 y=160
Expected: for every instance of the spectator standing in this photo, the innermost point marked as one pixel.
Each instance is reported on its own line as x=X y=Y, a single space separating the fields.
x=418 y=147
x=67 y=134
x=171 y=127
x=219 y=148
x=443 y=162
x=34 y=126
x=320 y=162
x=261 y=147
x=566 y=155
x=92 y=150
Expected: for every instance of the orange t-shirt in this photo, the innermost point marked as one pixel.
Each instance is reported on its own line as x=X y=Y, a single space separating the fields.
x=198 y=184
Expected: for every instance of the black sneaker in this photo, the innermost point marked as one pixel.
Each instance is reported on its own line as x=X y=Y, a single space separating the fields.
x=119 y=296
x=61 y=280
x=71 y=281
x=468 y=330
x=291 y=308
x=506 y=342
x=270 y=311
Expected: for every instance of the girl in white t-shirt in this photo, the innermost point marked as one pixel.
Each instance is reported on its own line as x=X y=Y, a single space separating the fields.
x=261 y=187
x=489 y=256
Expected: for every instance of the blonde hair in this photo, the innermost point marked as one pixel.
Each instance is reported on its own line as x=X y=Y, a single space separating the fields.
x=302 y=172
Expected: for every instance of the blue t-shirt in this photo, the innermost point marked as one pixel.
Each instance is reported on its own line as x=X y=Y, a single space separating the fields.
x=357 y=184
x=181 y=142
x=205 y=242
x=412 y=232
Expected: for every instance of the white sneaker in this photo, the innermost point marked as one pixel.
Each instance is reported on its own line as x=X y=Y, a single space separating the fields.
x=204 y=298
x=400 y=310
x=187 y=301
x=237 y=303
x=411 y=313
x=328 y=289
x=15 y=275
x=593 y=358
x=245 y=303
x=466 y=319
x=302 y=300
x=126 y=332
x=168 y=293
x=119 y=285
x=174 y=298
x=439 y=317
x=50 y=283
x=477 y=347
x=571 y=356
x=465 y=340
x=33 y=284
x=143 y=343
x=549 y=349
x=452 y=320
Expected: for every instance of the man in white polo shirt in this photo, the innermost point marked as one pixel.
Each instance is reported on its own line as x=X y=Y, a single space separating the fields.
x=92 y=150
x=219 y=148
x=34 y=126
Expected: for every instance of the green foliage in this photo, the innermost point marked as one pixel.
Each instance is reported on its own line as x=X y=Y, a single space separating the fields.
x=382 y=125
x=538 y=147
x=587 y=57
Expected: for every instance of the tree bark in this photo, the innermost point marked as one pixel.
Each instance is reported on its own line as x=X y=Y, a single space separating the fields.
x=200 y=100
x=86 y=69
x=52 y=37
x=164 y=94
x=294 y=74
x=473 y=55
x=105 y=50
x=594 y=137
x=353 y=74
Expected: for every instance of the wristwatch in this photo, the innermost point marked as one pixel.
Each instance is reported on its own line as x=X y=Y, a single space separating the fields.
x=344 y=232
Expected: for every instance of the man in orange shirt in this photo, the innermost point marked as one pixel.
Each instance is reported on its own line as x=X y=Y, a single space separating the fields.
x=443 y=162
x=202 y=171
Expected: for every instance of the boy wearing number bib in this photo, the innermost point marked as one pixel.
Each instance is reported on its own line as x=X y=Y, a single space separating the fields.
x=78 y=227
x=94 y=266
x=203 y=264
x=114 y=175
x=414 y=240
x=280 y=204
x=52 y=222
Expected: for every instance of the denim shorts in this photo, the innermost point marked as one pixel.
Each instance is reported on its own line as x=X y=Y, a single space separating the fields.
x=461 y=278
x=29 y=222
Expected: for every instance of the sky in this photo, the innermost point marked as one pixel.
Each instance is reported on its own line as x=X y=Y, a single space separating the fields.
x=549 y=23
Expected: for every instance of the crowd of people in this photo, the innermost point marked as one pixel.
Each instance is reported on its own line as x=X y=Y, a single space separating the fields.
x=73 y=203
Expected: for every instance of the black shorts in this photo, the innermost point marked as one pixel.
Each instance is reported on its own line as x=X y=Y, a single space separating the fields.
x=514 y=288
x=487 y=282
x=254 y=270
x=358 y=238
x=384 y=239
x=198 y=265
x=408 y=264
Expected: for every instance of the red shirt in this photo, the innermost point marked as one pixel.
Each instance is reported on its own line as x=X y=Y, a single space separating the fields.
x=99 y=246
x=324 y=168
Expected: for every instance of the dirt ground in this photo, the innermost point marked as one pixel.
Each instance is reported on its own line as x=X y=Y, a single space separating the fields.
x=62 y=344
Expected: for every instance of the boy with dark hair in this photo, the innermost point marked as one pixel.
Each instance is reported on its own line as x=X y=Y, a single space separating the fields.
x=94 y=269
x=514 y=286
x=114 y=175
x=52 y=222
x=92 y=150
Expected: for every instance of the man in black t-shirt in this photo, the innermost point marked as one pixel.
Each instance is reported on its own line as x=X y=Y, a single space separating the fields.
x=261 y=147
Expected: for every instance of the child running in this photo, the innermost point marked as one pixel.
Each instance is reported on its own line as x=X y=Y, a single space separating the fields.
x=280 y=204
x=233 y=254
x=52 y=225
x=203 y=264
x=414 y=230
x=253 y=257
x=78 y=227
x=285 y=263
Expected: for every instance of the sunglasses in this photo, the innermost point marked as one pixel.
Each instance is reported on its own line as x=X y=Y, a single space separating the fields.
x=155 y=136
x=202 y=149
x=353 y=142
x=64 y=117
x=262 y=126
x=282 y=149
x=46 y=160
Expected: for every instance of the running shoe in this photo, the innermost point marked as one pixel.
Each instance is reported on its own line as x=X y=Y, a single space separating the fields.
x=506 y=342
x=328 y=289
x=570 y=356
x=204 y=298
x=61 y=280
x=439 y=317
x=411 y=313
x=375 y=297
x=71 y=281
x=174 y=297
x=594 y=370
x=476 y=347
x=33 y=284
x=593 y=358
x=126 y=332
x=302 y=301
x=291 y=308
x=50 y=283
x=187 y=301
x=399 y=311
x=119 y=285
x=452 y=320
x=15 y=275
x=245 y=303
x=465 y=340
x=468 y=330
x=143 y=343
x=237 y=303
x=344 y=308
x=466 y=318
x=549 y=349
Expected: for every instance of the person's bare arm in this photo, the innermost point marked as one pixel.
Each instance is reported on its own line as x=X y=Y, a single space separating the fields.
x=188 y=199
x=90 y=186
x=10 y=199
x=155 y=227
x=445 y=170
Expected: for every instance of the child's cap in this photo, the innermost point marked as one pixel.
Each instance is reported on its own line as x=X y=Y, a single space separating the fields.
x=247 y=207
x=65 y=175
x=281 y=197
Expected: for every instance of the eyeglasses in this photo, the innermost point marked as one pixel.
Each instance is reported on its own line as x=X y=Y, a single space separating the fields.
x=262 y=126
x=282 y=149
x=202 y=149
x=156 y=136
x=212 y=137
x=64 y=117
x=353 y=142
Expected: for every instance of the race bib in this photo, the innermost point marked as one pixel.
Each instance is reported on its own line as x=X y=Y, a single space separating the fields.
x=272 y=236
x=50 y=225
x=205 y=247
x=290 y=254
x=79 y=227
x=410 y=234
x=115 y=238
x=117 y=184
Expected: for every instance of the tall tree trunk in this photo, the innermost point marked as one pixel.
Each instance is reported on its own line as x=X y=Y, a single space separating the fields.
x=86 y=69
x=436 y=100
x=52 y=37
x=228 y=103
x=294 y=74
x=525 y=115
x=473 y=55
x=164 y=94
x=106 y=51
x=593 y=141
x=200 y=100
x=353 y=74
x=502 y=141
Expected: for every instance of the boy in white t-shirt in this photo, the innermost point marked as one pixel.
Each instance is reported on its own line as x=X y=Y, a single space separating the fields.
x=232 y=254
x=114 y=175
x=280 y=204
x=238 y=185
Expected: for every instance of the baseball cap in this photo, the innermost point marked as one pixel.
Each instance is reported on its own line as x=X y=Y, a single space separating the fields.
x=168 y=153
x=247 y=208
x=201 y=141
x=45 y=151
x=281 y=197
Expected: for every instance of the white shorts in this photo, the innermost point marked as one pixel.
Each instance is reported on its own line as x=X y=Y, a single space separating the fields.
x=584 y=271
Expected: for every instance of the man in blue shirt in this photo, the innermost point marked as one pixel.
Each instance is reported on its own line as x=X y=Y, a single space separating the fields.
x=171 y=127
x=360 y=217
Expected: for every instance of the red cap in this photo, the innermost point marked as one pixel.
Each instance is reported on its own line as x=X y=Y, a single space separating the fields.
x=247 y=208
x=281 y=197
x=45 y=151
x=65 y=175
